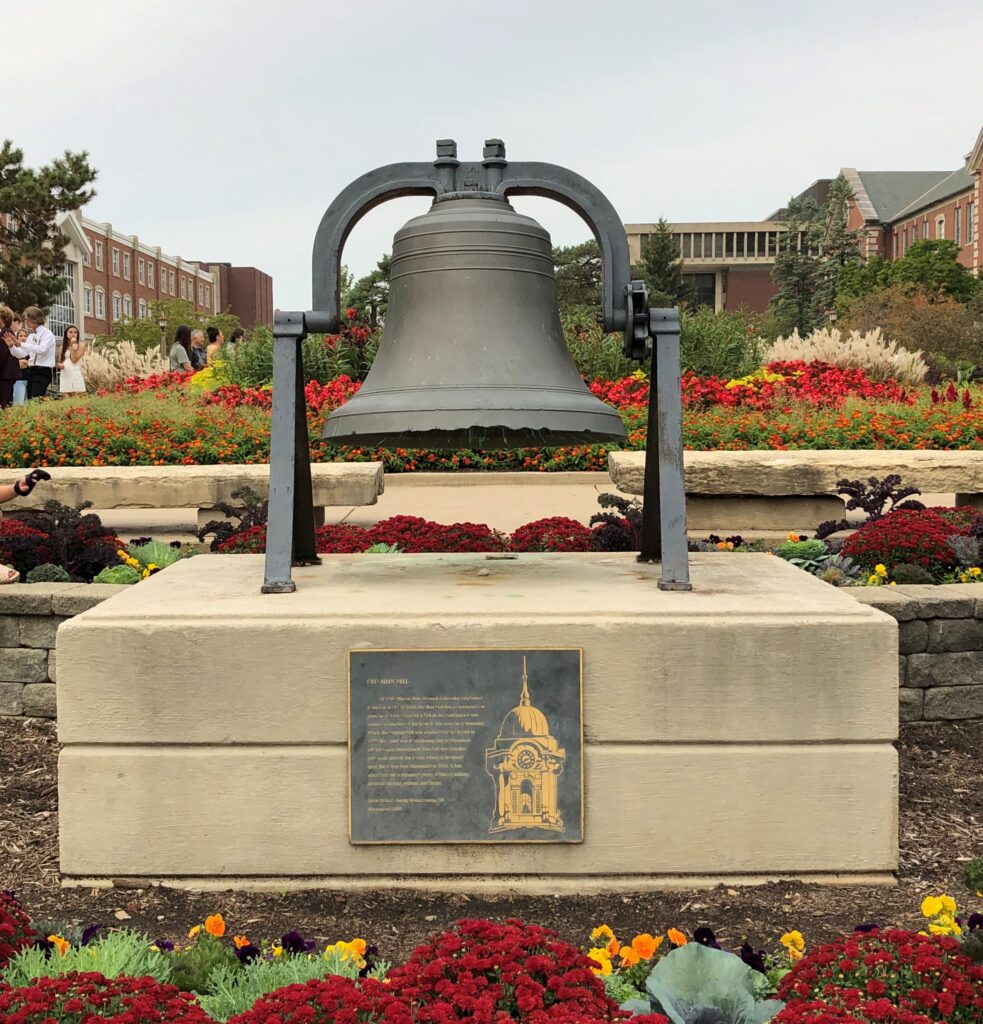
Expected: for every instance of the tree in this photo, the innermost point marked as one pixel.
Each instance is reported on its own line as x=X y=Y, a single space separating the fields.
x=930 y=266
x=369 y=294
x=578 y=276
x=815 y=252
x=661 y=268
x=145 y=334
x=31 y=246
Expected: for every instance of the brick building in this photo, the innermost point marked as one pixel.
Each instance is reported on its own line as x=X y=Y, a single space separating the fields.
x=110 y=275
x=730 y=264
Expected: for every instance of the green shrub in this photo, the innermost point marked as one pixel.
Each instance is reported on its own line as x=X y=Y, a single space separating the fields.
x=48 y=573
x=118 y=574
x=595 y=353
x=192 y=966
x=725 y=344
x=973 y=874
x=117 y=953
x=155 y=552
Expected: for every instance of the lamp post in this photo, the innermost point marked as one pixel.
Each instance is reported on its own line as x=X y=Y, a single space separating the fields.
x=162 y=324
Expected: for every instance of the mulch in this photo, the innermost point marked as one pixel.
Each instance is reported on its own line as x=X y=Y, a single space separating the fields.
x=941 y=827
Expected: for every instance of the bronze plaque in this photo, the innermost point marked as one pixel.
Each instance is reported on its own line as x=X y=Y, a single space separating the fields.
x=465 y=746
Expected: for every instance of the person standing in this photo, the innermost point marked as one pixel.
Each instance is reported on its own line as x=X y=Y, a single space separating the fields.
x=71 y=380
x=234 y=338
x=180 y=360
x=197 y=350
x=20 y=385
x=39 y=348
x=10 y=371
x=216 y=339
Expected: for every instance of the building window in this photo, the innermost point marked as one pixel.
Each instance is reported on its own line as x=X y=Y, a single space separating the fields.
x=970 y=223
x=914 y=231
x=940 y=227
x=141 y=269
x=904 y=241
x=126 y=266
x=957 y=226
x=117 y=305
x=895 y=243
x=127 y=306
x=201 y=294
x=173 y=284
x=207 y=299
x=61 y=315
x=87 y=300
x=98 y=247
x=150 y=273
x=86 y=261
x=142 y=308
x=163 y=279
x=184 y=287
x=100 y=304
x=115 y=262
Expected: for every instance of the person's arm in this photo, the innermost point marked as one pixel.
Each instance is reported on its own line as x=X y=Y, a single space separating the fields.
x=39 y=346
x=77 y=351
x=23 y=487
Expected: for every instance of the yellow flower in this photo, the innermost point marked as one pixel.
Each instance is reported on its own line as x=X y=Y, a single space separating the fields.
x=793 y=940
x=600 y=956
x=62 y=945
x=194 y=931
x=276 y=950
x=931 y=906
x=795 y=954
x=676 y=937
x=880 y=569
x=215 y=925
x=602 y=932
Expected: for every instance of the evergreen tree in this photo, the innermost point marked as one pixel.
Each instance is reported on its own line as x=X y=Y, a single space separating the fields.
x=31 y=247
x=578 y=276
x=798 y=270
x=661 y=268
x=838 y=246
x=369 y=294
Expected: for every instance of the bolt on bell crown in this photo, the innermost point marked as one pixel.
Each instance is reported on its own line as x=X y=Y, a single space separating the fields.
x=472 y=354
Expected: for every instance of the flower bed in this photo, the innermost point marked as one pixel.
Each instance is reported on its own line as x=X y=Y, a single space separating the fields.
x=163 y=421
x=511 y=972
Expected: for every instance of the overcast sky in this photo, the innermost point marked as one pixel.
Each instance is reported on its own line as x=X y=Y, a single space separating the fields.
x=222 y=129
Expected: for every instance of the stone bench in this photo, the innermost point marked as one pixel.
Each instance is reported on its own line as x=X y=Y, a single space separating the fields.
x=201 y=487
x=779 y=490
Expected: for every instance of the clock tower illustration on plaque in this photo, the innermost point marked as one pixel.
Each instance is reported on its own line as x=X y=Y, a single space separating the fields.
x=525 y=763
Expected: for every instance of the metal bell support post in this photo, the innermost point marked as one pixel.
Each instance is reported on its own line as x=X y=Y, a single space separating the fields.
x=290 y=531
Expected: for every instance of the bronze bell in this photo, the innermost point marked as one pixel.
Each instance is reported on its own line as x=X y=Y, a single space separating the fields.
x=472 y=354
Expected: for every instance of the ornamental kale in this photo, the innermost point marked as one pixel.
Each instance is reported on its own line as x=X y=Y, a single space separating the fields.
x=875 y=497
x=620 y=530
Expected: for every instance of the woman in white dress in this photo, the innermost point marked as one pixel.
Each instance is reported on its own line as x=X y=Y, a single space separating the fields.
x=72 y=349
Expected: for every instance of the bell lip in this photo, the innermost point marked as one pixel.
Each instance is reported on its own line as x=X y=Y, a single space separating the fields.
x=451 y=440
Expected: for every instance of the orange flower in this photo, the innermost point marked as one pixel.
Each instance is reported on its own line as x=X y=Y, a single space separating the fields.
x=629 y=957
x=613 y=946
x=62 y=945
x=215 y=925
x=358 y=945
x=240 y=941
x=676 y=937
x=645 y=945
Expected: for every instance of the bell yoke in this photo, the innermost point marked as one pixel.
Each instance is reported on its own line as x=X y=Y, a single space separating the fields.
x=472 y=353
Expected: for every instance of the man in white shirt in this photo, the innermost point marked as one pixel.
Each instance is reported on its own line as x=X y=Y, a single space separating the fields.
x=40 y=348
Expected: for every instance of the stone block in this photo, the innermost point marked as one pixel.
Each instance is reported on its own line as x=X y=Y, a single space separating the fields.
x=74 y=598
x=953 y=703
x=964 y=668
x=891 y=600
x=955 y=635
x=9 y=631
x=11 y=698
x=913 y=636
x=941 y=602
x=729 y=512
x=23 y=665
x=39 y=700
x=902 y=671
x=761 y=707
x=25 y=599
x=39 y=630
x=53 y=666
x=910 y=705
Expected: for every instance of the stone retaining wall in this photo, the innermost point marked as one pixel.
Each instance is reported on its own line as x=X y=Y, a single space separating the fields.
x=940 y=643
x=30 y=615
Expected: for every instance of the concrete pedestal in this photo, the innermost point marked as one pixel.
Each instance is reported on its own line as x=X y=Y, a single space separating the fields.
x=743 y=731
